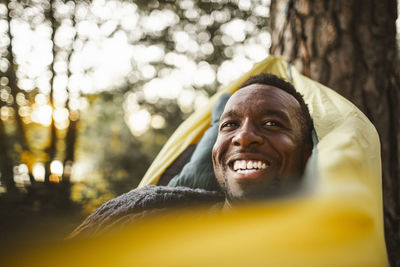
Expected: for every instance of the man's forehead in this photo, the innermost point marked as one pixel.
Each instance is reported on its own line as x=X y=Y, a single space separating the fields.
x=263 y=97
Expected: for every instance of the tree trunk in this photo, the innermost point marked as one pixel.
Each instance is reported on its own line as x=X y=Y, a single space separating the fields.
x=71 y=136
x=51 y=149
x=70 y=141
x=12 y=83
x=351 y=47
x=6 y=163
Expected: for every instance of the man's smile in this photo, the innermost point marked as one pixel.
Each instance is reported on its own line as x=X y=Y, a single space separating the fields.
x=245 y=168
x=245 y=165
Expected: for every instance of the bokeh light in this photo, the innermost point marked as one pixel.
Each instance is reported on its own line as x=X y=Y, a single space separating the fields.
x=56 y=167
x=38 y=172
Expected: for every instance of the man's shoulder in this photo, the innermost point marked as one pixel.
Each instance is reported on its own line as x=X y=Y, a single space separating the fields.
x=151 y=196
x=141 y=202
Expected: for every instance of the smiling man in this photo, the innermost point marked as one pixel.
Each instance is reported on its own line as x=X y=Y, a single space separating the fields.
x=264 y=139
x=263 y=143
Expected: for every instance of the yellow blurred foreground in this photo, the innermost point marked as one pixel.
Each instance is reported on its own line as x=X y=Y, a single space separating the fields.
x=295 y=232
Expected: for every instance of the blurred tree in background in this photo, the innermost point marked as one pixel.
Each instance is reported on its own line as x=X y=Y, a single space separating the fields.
x=91 y=90
x=351 y=47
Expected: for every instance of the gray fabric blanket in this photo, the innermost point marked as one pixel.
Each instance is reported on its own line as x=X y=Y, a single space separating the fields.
x=142 y=202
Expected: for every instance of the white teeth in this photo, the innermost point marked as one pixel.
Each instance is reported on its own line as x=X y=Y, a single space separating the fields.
x=249 y=165
x=243 y=165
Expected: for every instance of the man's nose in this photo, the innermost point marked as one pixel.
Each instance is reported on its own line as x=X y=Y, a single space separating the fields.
x=247 y=135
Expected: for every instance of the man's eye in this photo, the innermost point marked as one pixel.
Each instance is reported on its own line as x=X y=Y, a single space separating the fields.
x=228 y=124
x=272 y=123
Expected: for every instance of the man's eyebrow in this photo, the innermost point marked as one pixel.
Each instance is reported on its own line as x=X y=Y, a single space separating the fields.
x=230 y=113
x=278 y=113
x=267 y=112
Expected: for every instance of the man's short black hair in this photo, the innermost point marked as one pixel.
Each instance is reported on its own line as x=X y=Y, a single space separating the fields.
x=304 y=116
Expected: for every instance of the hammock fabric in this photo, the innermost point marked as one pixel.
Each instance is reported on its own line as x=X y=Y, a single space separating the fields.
x=336 y=221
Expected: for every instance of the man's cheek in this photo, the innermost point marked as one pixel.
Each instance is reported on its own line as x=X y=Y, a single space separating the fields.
x=216 y=152
x=215 y=161
x=285 y=144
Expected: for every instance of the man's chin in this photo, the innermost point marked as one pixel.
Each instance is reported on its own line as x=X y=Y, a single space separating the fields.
x=247 y=194
x=273 y=189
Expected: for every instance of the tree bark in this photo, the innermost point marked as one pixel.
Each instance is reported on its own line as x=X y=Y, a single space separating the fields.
x=351 y=47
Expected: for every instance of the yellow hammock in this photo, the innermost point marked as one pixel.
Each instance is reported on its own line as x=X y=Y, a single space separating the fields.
x=337 y=222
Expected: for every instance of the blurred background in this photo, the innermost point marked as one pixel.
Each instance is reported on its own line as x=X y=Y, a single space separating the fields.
x=91 y=90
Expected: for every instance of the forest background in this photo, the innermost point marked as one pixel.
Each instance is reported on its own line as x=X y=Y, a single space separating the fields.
x=91 y=90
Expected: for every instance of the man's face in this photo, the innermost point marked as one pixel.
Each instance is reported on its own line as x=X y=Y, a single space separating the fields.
x=259 y=148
